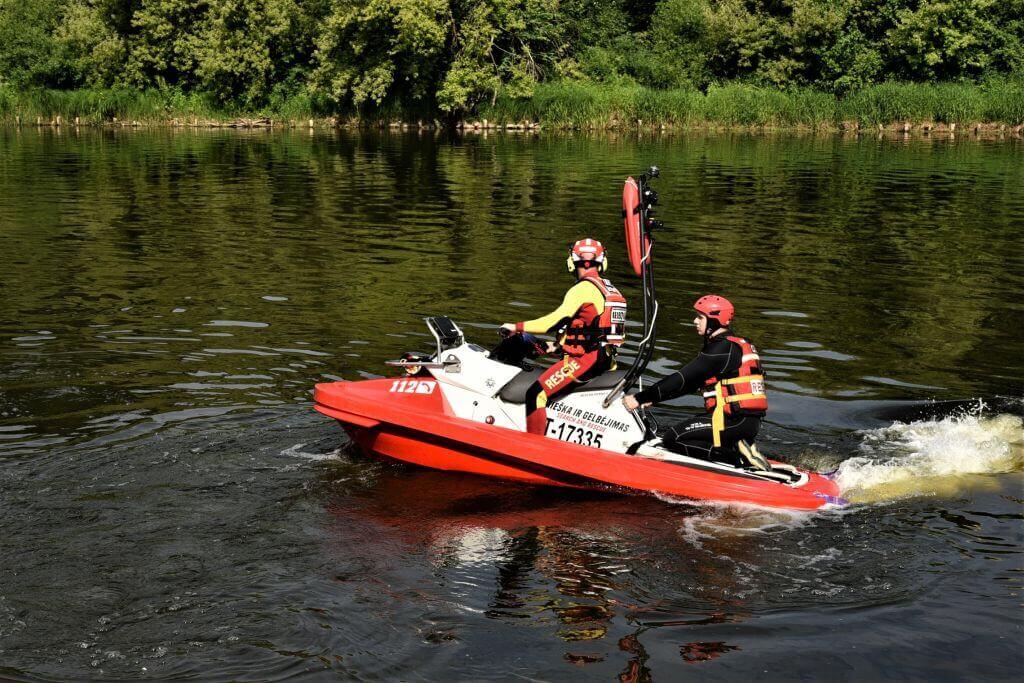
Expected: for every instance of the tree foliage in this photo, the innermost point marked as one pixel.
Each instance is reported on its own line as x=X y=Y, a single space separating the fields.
x=452 y=56
x=370 y=48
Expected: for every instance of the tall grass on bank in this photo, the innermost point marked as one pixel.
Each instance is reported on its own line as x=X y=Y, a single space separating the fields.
x=97 y=106
x=574 y=104
x=570 y=104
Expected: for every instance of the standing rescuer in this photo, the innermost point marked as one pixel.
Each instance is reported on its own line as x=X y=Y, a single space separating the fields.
x=728 y=371
x=589 y=325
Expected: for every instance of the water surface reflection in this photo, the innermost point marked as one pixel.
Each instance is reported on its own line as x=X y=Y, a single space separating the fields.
x=172 y=507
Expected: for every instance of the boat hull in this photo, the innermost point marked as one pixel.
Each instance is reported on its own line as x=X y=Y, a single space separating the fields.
x=427 y=450
x=419 y=429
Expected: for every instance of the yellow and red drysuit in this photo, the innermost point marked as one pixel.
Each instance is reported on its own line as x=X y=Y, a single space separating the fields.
x=591 y=318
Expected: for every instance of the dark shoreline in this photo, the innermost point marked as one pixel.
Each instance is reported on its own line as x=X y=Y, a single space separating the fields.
x=903 y=129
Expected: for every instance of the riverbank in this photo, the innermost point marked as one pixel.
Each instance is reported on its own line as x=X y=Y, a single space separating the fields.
x=992 y=107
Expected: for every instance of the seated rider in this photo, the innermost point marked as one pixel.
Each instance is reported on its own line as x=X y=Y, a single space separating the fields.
x=589 y=325
x=728 y=370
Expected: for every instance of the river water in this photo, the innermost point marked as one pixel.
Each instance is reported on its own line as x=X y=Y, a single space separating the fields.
x=171 y=507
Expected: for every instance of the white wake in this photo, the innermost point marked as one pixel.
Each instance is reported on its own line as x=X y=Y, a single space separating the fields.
x=932 y=456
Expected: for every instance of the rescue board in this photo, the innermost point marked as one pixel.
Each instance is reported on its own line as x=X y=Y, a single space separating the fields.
x=637 y=244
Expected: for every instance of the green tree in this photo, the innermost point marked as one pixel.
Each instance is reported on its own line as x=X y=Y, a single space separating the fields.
x=372 y=51
x=594 y=41
x=91 y=43
x=242 y=48
x=430 y=57
x=681 y=37
x=166 y=43
x=1006 y=39
x=30 y=55
x=944 y=39
x=499 y=46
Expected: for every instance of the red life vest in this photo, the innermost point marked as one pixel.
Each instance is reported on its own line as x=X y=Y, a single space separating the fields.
x=588 y=330
x=742 y=391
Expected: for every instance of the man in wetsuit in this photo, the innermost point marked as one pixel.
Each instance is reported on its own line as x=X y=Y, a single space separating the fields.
x=728 y=371
x=589 y=325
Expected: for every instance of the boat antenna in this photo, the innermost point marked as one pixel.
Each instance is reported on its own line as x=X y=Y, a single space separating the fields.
x=638 y=202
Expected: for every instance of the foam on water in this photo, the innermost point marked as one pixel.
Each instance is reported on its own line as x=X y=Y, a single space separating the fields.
x=720 y=520
x=932 y=456
x=296 y=451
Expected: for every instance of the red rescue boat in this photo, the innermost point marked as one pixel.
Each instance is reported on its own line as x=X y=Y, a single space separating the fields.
x=419 y=428
x=459 y=409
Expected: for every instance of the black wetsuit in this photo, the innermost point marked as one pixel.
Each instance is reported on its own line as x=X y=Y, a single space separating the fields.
x=719 y=358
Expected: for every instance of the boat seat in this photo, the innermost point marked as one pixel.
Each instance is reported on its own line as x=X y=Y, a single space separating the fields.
x=515 y=390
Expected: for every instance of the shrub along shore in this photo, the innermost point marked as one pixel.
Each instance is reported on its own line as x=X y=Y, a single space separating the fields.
x=565 y=105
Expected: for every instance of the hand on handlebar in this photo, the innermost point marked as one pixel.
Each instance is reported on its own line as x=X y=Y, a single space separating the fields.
x=632 y=404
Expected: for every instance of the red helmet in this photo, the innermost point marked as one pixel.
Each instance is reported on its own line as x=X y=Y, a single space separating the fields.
x=588 y=253
x=715 y=307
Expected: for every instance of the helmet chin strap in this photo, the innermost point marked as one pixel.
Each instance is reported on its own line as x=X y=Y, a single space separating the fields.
x=712 y=326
